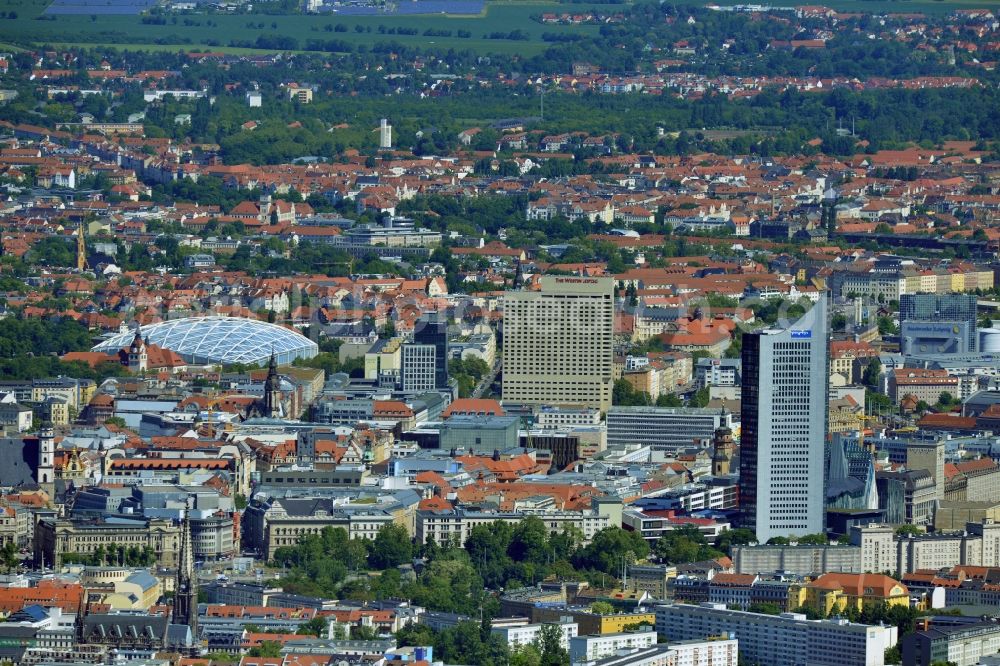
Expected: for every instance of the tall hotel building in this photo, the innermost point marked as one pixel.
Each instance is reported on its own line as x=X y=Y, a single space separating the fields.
x=558 y=343
x=784 y=420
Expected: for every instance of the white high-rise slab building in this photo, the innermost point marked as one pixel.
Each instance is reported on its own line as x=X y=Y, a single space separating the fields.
x=784 y=422
x=384 y=135
x=558 y=343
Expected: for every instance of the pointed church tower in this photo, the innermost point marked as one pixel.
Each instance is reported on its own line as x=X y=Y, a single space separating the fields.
x=722 y=447
x=272 y=390
x=186 y=584
x=138 y=357
x=45 y=475
x=81 y=249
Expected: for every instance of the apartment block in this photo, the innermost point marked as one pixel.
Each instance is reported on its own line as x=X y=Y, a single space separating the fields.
x=877 y=548
x=589 y=648
x=518 y=635
x=962 y=642
x=788 y=639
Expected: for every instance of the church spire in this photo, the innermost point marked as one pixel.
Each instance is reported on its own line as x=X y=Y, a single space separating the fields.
x=723 y=446
x=186 y=584
x=81 y=249
x=272 y=390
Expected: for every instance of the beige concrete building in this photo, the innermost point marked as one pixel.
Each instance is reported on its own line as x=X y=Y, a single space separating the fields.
x=444 y=527
x=953 y=515
x=653 y=579
x=928 y=456
x=876 y=549
x=558 y=343
x=384 y=359
x=925 y=385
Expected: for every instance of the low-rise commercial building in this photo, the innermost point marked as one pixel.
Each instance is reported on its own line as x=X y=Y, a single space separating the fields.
x=664 y=428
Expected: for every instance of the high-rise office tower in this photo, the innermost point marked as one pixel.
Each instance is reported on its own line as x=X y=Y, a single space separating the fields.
x=784 y=423
x=419 y=368
x=941 y=308
x=558 y=343
x=432 y=330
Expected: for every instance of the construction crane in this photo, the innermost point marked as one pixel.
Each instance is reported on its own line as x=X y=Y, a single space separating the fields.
x=864 y=420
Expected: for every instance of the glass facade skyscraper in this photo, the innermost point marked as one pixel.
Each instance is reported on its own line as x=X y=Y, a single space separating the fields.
x=433 y=331
x=784 y=423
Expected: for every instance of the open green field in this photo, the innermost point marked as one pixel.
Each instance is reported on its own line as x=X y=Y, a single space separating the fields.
x=929 y=7
x=191 y=32
x=194 y=32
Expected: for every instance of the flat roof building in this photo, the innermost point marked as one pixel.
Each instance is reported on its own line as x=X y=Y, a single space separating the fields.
x=788 y=639
x=558 y=343
x=664 y=428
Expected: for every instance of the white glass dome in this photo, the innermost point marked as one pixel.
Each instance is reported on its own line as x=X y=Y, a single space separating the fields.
x=225 y=340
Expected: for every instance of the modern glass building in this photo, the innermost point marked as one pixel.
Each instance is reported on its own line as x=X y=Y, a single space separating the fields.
x=430 y=330
x=942 y=308
x=225 y=340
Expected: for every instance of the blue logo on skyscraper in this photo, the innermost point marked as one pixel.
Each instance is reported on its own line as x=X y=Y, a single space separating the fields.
x=801 y=335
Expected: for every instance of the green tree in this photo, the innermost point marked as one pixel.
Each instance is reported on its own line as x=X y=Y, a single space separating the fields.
x=530 y=541
x=818 y=539
x=810 y=612
x=886 y=326
x=669 y=400
x=623 y=393
x=740 y=536
x=684 y=544
x=526 y=655
x=319 y=563
x=701 y=397
x=602 y=608
x=9 y=557
x=268 y=649
x=610 y=548
x=879 y=402
x=870 y=377
x=549 y=642
x=314 y=627
x=392 y=547
x=765 y=608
